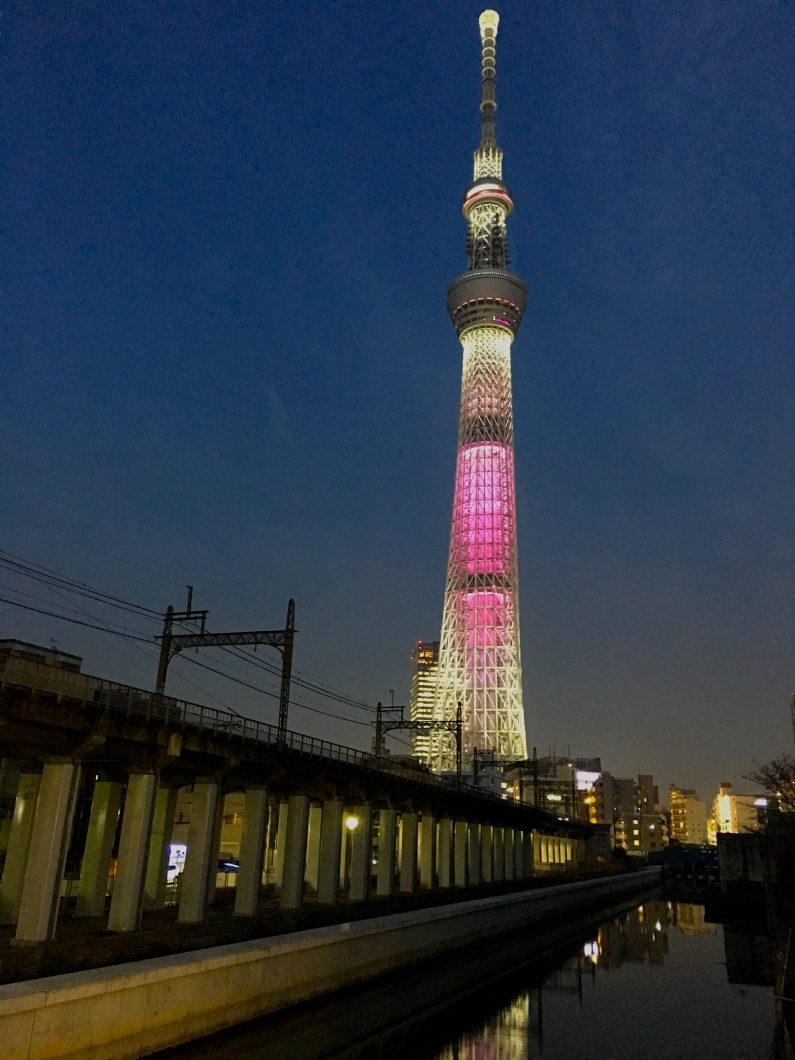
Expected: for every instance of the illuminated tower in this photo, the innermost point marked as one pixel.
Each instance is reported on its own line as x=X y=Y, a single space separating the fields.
x=479 y=660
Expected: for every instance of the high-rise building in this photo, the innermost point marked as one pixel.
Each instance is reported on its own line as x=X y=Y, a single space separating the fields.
x=479 y=657
x=424 y=675
x=688 y=815
x=733 y=812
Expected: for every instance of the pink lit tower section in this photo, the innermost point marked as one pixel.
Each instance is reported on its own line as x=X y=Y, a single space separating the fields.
x=479 y=657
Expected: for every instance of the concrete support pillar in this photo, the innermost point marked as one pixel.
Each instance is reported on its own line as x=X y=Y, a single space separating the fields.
x=518 y=854
x=528 y=841
x=544 y=849
x=460 y=852
x=292 y=892
x=212 y=867
x=281 y=842
x=104 y=817
x=18 y=846
x=160 y=849
x=201 y=854
x=475 y=854
x=328 y=883
x=387 y=836
x=49 y=841
x=408 y=853
x=252 y=851
x=486 y=853
x=509 y=872
x=313 y=847
x=361 y=854
x=427 y=851
x=498 y=854
x=136 y=832
x=444 y=853
x=536 y=850
x=345 y=850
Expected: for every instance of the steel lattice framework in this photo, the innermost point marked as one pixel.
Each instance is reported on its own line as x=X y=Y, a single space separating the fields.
x=479 y=652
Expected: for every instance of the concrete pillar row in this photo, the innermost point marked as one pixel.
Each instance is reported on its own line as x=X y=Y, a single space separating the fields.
x=126 y=903
x=201 y=854
x=49 y=842
x=427 y=851
x=361 y=853
x=460 y=854
x=292 y=889
x=475 y=854
x=328 y=879
x=444 y=852
x=160 y=848
x=408 y=853
x=18 y=846
x=498 y=853
x=387 y=836
x=102 y=822
x=486 y=853
x=252 y=850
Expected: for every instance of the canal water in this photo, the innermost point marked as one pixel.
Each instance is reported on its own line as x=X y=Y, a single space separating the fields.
x=654 y=980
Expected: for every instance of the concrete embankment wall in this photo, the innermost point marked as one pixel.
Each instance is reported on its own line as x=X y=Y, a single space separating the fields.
x=132 y=1009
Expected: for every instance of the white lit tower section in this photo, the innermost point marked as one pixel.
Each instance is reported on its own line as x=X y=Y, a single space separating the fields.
x=479 y=657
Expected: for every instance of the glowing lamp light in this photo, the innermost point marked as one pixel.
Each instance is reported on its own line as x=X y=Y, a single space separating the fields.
x=351 y=823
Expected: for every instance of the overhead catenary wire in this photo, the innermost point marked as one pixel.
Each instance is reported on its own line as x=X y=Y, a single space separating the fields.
x=45 y=575
x=58 y=583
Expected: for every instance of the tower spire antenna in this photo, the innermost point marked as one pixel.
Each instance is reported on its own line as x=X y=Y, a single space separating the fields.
x=489 y=22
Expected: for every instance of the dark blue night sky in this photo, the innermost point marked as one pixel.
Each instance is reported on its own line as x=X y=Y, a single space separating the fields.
x=229 y=228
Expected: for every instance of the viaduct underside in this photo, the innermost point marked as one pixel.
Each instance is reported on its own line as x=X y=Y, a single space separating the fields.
x=101 y=775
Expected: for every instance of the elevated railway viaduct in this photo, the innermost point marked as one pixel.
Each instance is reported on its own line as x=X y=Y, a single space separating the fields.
x=329 y=820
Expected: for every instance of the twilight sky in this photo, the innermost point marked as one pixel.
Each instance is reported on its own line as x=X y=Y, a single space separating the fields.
x=226 y=358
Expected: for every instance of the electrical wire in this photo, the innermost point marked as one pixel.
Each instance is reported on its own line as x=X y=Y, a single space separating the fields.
x=74 y=621
x=56 y=581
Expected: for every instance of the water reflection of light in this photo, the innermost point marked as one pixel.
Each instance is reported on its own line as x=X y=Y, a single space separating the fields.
x=658 y=926
x=591 y=950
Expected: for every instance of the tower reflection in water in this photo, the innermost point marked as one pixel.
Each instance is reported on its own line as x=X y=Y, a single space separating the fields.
x=639 y=936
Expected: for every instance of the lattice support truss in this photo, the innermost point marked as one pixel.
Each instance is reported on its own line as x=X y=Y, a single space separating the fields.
x=488 y=236
x=479 y=652
x=488 y=162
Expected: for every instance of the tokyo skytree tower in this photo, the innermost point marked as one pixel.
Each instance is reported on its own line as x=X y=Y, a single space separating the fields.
x=479 y=659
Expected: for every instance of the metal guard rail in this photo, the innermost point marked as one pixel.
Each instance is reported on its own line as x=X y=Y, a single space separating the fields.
x=126 y=700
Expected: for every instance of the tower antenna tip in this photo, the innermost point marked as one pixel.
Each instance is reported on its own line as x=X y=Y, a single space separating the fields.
x=489 y=20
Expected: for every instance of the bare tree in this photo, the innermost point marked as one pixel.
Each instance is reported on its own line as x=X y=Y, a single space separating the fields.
x=777 y=777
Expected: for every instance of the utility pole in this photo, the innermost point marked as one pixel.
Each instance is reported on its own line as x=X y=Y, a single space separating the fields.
x=388 y=719
x=172 y=644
